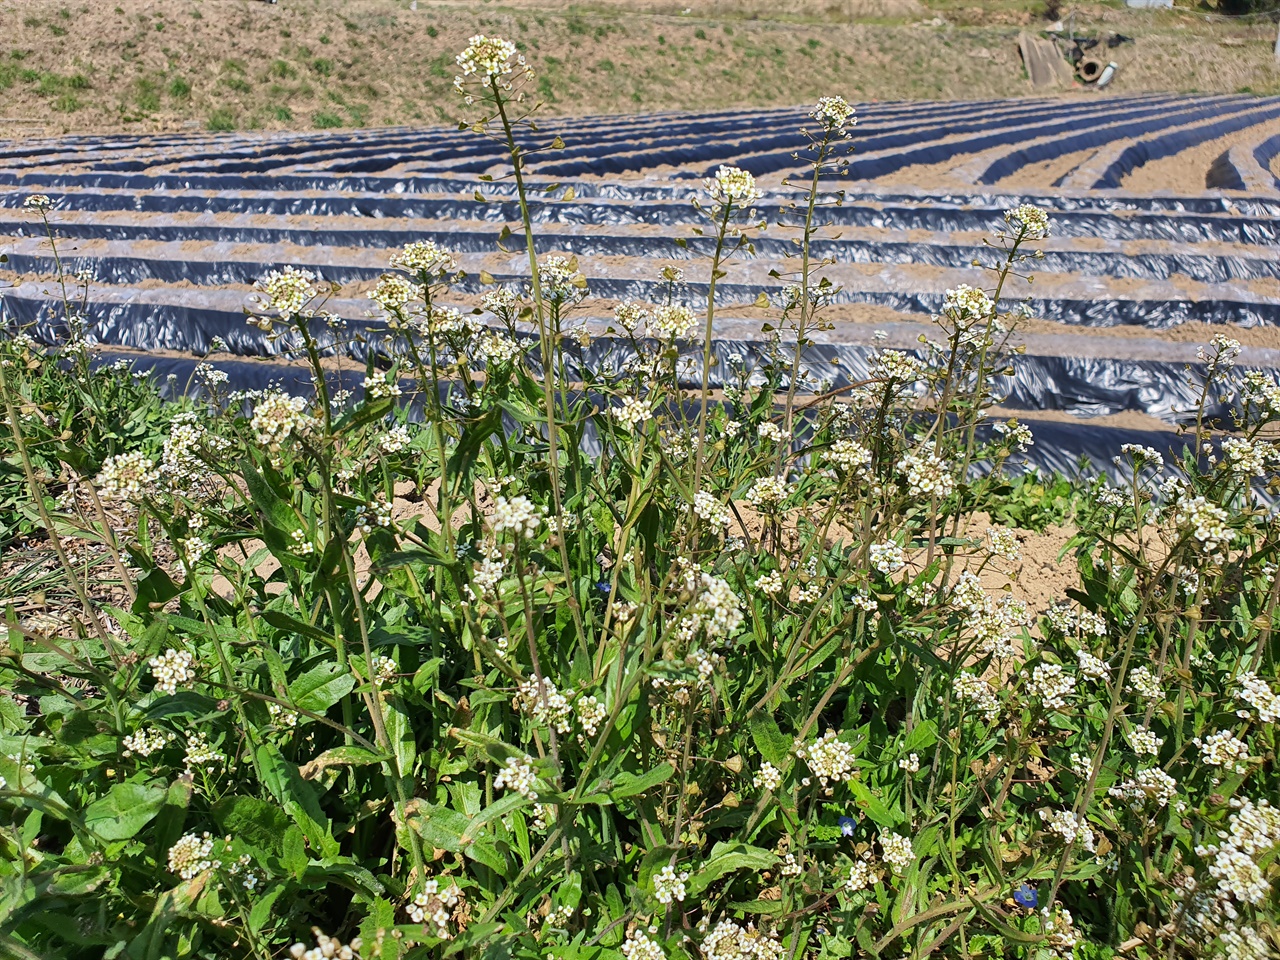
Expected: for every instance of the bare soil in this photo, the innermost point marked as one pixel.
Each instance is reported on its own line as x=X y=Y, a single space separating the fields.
x=1185 y=172
x=150 y=65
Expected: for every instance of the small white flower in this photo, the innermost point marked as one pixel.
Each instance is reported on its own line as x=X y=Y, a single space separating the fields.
x=768 y=777
x=173 y=669
x=668 y=886
x=733 y=185
x=517 y=774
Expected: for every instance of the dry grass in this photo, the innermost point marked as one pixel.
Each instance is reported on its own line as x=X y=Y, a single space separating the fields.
x=144 y=65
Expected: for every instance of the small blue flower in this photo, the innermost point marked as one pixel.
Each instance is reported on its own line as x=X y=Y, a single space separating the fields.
x=603 y=586
x=1026 y=896
x=846 y=826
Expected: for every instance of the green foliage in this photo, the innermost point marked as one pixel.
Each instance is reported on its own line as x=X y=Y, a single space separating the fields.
x=222 y=120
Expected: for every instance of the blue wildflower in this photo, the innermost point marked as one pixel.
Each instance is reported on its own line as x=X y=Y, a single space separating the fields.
x=846 y=826
x=603 y=586
x=1026 y=896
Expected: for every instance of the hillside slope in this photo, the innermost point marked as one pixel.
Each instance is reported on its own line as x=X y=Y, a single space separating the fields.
x=145 y=65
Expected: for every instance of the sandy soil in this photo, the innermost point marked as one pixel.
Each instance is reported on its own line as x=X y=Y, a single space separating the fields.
x=1045 y=174
x=1185 y=172
x=127 y=64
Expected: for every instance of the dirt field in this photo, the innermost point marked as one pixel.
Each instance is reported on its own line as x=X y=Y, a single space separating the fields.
x=146 y=65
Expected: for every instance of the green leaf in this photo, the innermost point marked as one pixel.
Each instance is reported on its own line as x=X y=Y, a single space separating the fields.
x=872 y=805
x=255 y=821
x=773 y=744
x=291 y=625
x=726 y=858
x=628 y=784
x=293 y=852
x=339 y=757
x=922 y=737
x=126 y=809
x=321 y=687
x=376 y=930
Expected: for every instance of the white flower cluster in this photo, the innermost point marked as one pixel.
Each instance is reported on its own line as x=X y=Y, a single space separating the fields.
x=770 y=583
x=1221 y=354
x=127 y=476
x=1244 y=943
x=1030 y=220
x=1144 y=683
x=518 y=774
x=200 y=753
x=834 y=112
x=519 y=516
x=969 y=688
x=145 y=742
x=487 y=58
x=767 y=492
x=1142 y=456
x=1261 y=390
x=1003 y=542
x=1152 y=784
x=1051 y=685
x=829 y=757
x=709 y=508
x=395 y=439
x=380 y=388
x=326 y=948
x=392 y=292
x=560 y=278
x=424 y=256
x=640 y=947
x=672 y=322
x=728 y=941
x=863 y=874
x=1223 y=749
x=733 y=185
x=590 y=713
x=39 y=202
x=1091 y=666
x=668 y=885
x=1256 y=692
x=1017 y=435
x=287 y=291
x=896 y=366
x=927 y=475
x=887 y=557
x=1252 y=832
x=1069 y=827
x=768 y=777
x=897 y=852
x=966 y=304
x=192 y=855
x=1207 y=523
x=717 y=608
x=383 y=670
x=1248 y=458
x=435 y=906
x=850 y=456
x=1144 y=742
x=278 y=416
x=631 y=413
x=172 y=669
x=546 y=704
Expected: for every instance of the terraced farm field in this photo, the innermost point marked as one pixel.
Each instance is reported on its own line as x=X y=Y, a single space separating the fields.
x=175 y=229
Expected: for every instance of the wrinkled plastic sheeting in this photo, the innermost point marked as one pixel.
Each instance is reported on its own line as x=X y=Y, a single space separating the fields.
x=1074 y=450
x=121 y=271
x=1088 y=385
x=176 y=324
x=1175 y=141
x=1180 y=221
